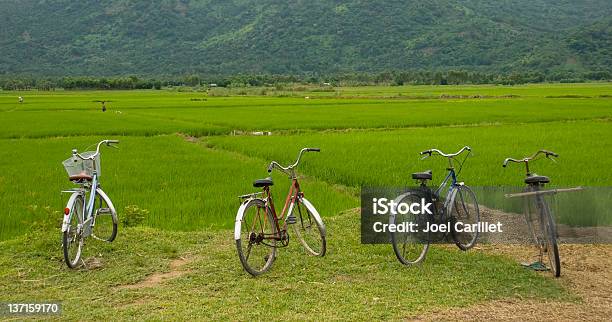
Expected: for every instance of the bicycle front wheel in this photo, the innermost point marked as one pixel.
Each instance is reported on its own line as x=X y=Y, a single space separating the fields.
x=309 y=228
x=105 y=218
x=464 y=210
x=550 y=234
x=410 y=247
x=72 y=238
x=256 y=236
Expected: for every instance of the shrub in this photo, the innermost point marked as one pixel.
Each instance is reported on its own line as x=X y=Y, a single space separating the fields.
x=133 y=216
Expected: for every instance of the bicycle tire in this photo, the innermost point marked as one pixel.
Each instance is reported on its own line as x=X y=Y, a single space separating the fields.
x=400 y=242
x=467 y=213
x=105 y=218
x=262 y=216
x=550 y=233
x=71 y=233
x=303 y=228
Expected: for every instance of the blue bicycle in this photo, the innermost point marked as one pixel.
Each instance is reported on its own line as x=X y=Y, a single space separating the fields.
x=458 y=208
x=89 y=211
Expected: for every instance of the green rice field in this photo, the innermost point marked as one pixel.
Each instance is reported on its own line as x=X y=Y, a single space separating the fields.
x=368 y=135
x=185 y=157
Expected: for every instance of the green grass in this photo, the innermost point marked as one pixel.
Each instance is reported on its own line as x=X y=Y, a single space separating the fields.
x=160 y=112
x=527 y=90
x=368 y=136
x=273 y=114
x=395 y=154
x=357 y=158
x=352 y=281
x=184 y=185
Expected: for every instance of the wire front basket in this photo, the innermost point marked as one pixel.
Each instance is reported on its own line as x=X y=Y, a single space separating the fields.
x=77 y=166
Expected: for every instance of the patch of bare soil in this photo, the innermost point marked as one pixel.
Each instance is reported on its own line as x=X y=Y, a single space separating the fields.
x=586 y=270
x=176 y=270
x=516 y=231
x=92 y=263
x=189 y=138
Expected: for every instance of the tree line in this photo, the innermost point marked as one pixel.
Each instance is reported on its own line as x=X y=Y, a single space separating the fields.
x=391 y=78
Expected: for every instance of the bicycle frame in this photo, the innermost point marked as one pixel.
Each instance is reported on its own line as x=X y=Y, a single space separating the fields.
x=88 y=204
x=451 y=175
x=93 y=190
x=92 y=196
x=451 y=193
x=539 y=204
x=293 y=195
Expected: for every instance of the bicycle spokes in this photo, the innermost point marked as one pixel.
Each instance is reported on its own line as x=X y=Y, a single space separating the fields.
x=308 y=231
x=465 y=213
x=72 y=238
x=257 y=242
x=104 y=221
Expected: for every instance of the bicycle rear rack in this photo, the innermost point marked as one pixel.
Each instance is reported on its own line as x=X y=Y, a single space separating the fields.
x=542 y=192
x=250 y=195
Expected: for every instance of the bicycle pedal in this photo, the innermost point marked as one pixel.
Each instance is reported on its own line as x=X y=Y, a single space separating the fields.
x=104 y=211
x=291 y=220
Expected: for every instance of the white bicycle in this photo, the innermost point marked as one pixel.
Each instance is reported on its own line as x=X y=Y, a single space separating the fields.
x=89 y=211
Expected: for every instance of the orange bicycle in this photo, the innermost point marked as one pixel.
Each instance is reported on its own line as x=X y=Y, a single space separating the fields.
x=259 y=231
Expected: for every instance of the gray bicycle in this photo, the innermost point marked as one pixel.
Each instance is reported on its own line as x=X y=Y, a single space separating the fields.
x=89 y=211
x=537 y=210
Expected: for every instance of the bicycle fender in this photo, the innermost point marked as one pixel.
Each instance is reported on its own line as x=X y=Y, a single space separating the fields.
x=109 y=203
x=67 y=217
x=239 y=214
x=396 y=201
x=316 y=215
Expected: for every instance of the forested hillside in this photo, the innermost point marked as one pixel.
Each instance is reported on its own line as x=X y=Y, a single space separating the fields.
x=177 y=37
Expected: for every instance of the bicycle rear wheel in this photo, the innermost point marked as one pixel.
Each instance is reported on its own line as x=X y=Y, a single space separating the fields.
x=309 y=229
x=72 y=238
x=256 y=243
x=550 y=236
x=464 y=209
x=105 y=218
x=410 y=247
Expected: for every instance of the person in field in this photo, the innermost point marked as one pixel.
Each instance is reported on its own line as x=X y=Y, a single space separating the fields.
x=20 y=99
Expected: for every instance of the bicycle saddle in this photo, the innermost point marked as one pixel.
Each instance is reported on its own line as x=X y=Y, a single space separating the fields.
x=80 y=177
x=534 y=178
x=425 y=175
x=263 y=182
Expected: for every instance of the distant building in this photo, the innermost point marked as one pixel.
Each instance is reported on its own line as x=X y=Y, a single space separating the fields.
x=212 y=85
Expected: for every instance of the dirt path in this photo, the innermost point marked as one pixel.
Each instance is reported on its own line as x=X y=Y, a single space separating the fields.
x=586 y=271
x=176 y=270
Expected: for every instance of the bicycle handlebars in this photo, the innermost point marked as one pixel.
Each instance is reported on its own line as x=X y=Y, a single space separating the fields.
x=450 y=155
x=527 y=159
x=93 y=156
x=289 y=169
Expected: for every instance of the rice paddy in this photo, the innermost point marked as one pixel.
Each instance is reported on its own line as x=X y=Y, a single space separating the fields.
x=368 y=135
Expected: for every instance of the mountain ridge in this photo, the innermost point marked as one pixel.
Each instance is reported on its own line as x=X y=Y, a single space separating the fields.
x=171 y=37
